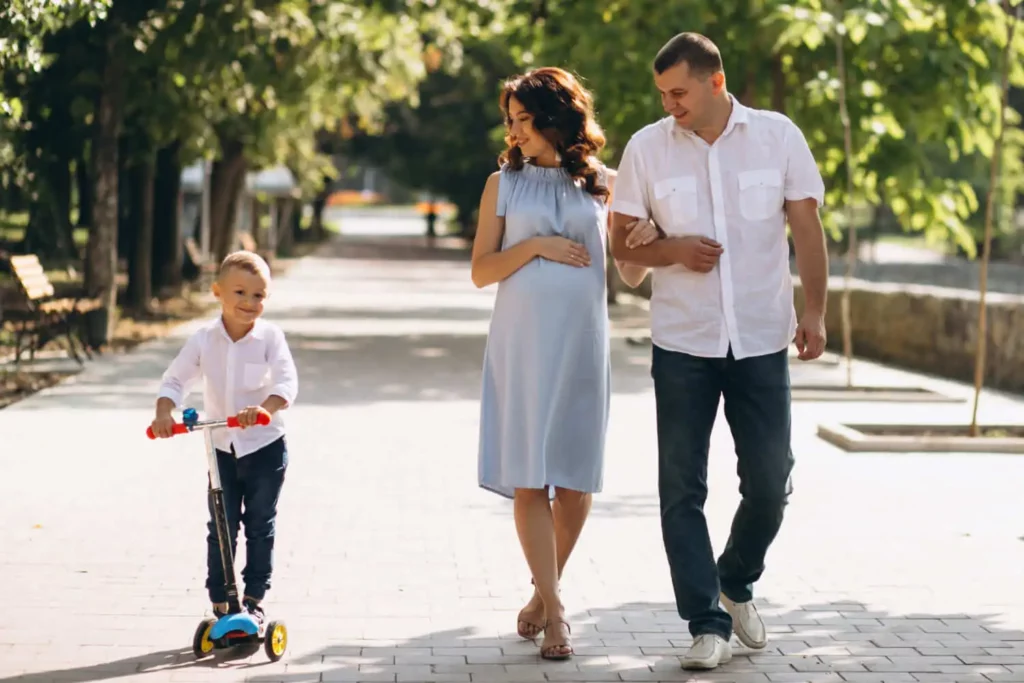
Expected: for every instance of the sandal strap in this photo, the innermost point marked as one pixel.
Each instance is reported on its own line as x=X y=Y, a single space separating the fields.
x=568 y=626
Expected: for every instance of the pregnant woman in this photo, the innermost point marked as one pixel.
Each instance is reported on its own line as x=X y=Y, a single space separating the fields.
x=542 y=235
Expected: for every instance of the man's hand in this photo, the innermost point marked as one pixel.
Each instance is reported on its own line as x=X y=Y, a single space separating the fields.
x=699 y=254
x=641 y=232
x=249 y=417
x=810 y=335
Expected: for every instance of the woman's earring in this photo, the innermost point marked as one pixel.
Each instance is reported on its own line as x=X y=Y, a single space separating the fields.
x=558 y=157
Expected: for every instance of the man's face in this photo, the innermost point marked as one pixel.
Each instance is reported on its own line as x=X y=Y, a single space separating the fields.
x=685 y=96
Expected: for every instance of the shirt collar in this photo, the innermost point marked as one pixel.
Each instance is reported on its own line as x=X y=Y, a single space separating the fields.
x=740 y=114
x=257 y=332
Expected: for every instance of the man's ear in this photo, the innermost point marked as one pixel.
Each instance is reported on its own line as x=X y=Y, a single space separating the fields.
x=718 y=81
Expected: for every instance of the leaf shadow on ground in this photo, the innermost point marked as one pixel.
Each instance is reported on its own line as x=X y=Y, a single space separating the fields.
x=334 y=370
x=834 y=641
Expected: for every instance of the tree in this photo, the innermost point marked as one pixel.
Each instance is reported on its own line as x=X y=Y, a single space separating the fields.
x=851 y=251
x=448 y=143
x=1011 y=22
x=127 y=91
x=921 y=80
x=37 y=157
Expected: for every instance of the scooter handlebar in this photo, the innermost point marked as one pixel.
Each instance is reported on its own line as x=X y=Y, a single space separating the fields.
x=262 y=419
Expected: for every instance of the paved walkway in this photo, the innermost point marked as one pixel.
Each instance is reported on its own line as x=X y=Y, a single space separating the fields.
x=393 y=566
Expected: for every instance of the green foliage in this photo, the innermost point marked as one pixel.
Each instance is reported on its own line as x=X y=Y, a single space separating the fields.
x=25 y=23
x=448 y=143
x=922 y=85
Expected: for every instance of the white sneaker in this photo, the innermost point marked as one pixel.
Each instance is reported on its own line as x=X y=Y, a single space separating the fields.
x=746 y=623
x=707 y=652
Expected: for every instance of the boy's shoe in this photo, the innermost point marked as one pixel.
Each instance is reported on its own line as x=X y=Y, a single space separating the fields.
x=707 y=652
x=253 y=608
x=219 y=611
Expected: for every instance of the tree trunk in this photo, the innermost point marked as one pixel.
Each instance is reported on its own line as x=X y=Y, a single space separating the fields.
x=226 y=182
x=851 y=251
x=140 y=277
x=101 y=252
x=749 y=95
x=127 y=209
x=316 y=227
x=285 y=226
x=993 y=182
x=85 y=189
x=168 y=247
x=49 y=232
x=778 y=85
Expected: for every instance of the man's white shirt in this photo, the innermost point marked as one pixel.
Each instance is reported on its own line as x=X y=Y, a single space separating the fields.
x=733 y=192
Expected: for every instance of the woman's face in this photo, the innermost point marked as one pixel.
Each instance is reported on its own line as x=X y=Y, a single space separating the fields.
x=530 y=142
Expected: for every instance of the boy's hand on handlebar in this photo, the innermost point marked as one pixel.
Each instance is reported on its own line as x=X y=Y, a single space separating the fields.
x=163 y=426
x=250 y=416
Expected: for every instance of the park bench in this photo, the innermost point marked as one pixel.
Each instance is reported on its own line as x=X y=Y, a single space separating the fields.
x=38 y=316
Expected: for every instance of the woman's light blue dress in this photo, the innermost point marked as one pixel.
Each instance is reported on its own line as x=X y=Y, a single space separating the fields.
x=547 y=371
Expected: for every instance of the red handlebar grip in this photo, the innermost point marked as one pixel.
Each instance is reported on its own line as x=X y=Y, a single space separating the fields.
x=178 y=429
x=261 y=419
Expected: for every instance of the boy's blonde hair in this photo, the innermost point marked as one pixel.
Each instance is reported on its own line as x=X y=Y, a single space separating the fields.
x=247 y=261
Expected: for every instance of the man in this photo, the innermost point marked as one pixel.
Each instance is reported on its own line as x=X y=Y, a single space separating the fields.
x=721 y=180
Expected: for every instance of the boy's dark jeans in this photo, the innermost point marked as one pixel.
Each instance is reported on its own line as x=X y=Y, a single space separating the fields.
x=757 y=407
x=252 y=486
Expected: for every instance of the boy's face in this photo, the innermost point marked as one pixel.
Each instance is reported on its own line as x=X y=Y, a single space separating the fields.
x=241 y=295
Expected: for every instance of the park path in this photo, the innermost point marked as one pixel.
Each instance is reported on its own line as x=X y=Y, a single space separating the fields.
x=393 y=566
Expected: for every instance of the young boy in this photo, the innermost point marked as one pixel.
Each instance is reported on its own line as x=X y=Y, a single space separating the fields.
x=247 y=370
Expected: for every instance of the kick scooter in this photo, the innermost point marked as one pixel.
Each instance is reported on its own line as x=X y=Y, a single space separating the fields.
x=237 y=627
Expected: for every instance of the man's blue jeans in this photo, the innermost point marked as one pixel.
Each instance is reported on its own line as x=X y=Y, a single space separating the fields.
x=756 y=392
x=252 y=485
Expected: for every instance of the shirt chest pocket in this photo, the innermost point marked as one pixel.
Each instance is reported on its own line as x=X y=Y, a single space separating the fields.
x=254 y=375
x=676 y=200
x=760 y=194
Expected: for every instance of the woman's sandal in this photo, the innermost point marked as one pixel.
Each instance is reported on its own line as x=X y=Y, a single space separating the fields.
x=559 y=651
x=527 y=630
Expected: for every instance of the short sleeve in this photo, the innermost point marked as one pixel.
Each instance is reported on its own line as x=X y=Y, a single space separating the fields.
x=505 y=183
x=630 y=197
x=803 y=179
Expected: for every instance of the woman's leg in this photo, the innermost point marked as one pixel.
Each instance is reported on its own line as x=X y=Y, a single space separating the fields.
x=570 y=512
x=536 y=528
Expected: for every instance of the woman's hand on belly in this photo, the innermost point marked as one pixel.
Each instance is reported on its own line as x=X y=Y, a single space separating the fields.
x=562 y=250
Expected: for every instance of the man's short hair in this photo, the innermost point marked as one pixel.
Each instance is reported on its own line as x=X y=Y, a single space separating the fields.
x=247 y=261
x=698 y=51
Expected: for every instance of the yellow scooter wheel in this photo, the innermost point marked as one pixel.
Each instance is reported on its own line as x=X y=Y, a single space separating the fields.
x=201 y=643
x=276 y=641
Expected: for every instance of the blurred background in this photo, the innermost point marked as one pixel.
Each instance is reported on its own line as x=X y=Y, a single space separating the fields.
x=142 y=140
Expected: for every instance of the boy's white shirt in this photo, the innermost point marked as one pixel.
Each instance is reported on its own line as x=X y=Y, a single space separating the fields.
x=236 y=375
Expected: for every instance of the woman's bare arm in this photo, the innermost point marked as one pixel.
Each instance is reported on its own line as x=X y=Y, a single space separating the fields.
x=490 y=263
x=632 y=274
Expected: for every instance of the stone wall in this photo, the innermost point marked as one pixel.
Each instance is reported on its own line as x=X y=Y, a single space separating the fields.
x=930 y=329
x=925 y=328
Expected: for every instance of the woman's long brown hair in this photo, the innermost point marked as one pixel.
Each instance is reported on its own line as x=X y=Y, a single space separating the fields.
x=563 y=112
